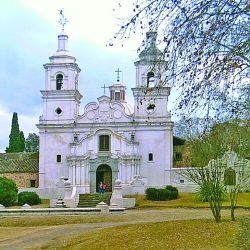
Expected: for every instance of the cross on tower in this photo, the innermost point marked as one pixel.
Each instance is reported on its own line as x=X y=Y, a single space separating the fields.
x=104 y=89
x=62 y=19
x=118 y=71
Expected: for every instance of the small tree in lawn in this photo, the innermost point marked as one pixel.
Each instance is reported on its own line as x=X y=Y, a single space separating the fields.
x=233 y=137
x=235 y=181
x=210 y=180
x=212 y=175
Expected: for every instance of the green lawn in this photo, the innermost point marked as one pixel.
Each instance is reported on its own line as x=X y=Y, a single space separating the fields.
x=188 y=200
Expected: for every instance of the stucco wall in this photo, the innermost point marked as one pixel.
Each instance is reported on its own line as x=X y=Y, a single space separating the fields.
x=22 y=180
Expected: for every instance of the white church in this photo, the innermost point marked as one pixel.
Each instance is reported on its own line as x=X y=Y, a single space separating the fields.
x=111 y=139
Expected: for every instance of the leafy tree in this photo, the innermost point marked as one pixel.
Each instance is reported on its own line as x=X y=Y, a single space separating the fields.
x=8 y=192
x=206 y=47
x=214 y=143
x=32 y=143
x=16 y=138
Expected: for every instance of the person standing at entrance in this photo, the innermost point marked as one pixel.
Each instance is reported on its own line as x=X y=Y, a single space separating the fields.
x=101 y=187
x=104 y=186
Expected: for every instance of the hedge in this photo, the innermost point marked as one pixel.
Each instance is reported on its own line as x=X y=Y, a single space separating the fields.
x=163 y=194
x=30 y=198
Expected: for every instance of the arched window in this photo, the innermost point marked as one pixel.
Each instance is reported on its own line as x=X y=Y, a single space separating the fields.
x=59 y=81
x=150 y=79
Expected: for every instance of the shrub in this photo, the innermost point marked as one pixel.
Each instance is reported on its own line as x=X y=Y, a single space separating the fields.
x=162 y=194
x=204 y=193
x=30 y=198
x=8 y=192
x=152 y=194
x=173 y=192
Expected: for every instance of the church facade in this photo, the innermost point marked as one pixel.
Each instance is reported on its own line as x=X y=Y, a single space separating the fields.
x=111 y=139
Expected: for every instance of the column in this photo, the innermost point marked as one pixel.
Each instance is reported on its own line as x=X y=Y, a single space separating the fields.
x=86 y=170
x=120 y=171
x=74 y=173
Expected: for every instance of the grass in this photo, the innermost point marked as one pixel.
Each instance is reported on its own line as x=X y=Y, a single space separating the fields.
x=178 y=234
x=37 y=221
x=190 y=234
x=44 y=204
x=188 y=200
x=244 y=235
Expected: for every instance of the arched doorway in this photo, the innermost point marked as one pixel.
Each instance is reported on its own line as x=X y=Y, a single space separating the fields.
x=104 y=175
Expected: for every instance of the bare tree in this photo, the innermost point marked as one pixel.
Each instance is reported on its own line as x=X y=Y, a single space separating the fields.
x=206 y=46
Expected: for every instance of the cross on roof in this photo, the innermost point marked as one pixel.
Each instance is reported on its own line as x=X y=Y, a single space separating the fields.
x=62 y=19
x=118 y=71
x=104 y=89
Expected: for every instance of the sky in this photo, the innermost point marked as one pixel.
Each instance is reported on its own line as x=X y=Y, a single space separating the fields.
x=29 y=30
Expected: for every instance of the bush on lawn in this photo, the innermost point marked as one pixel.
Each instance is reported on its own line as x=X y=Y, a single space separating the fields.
x=202 y=194
x=173 y=192
x=8 y=192
x=30 y=198
x=162 y=194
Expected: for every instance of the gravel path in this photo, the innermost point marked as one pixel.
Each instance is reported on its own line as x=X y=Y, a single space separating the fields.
x=44 y=236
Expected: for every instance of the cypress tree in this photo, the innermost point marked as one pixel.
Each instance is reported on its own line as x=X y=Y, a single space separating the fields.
x=16 y=137
x=22 y=142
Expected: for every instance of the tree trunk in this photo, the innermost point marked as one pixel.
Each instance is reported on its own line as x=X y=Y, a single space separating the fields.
x=232 y=212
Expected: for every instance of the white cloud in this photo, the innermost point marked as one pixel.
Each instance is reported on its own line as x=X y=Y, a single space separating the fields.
x=92 y=21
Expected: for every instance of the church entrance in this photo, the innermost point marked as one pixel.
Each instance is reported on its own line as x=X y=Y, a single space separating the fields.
x=104 y=175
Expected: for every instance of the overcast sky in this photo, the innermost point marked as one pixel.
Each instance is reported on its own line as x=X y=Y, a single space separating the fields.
x=29 y=30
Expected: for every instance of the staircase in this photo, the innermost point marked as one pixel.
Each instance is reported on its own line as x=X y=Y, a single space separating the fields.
x=91 y=200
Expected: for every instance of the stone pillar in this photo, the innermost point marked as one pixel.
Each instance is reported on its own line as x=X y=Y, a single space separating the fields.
x=116 y=197
x=104 y=207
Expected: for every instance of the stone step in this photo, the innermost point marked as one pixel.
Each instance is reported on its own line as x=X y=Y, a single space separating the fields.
x=91 y=200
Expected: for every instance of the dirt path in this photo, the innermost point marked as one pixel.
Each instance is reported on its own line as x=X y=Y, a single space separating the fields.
x=54 y=236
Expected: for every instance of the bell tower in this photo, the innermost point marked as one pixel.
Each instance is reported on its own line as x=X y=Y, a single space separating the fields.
x=151 y=92
x=61 y=97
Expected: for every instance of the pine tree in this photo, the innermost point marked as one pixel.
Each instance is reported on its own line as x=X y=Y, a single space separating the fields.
x=16 y=138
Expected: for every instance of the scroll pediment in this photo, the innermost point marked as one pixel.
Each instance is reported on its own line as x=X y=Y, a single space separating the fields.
x=104 y=112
